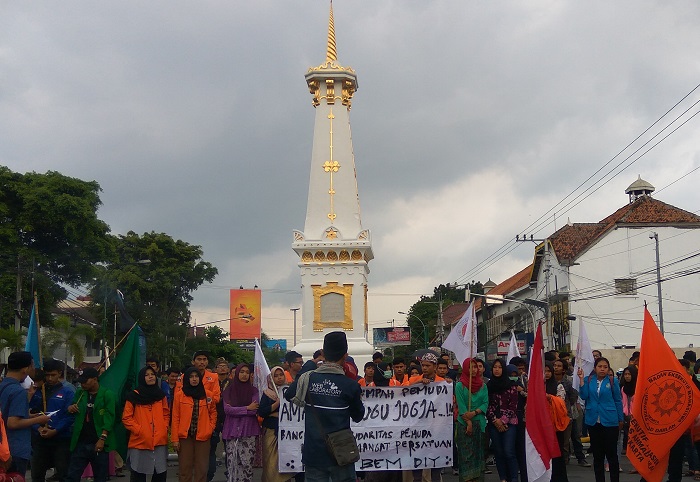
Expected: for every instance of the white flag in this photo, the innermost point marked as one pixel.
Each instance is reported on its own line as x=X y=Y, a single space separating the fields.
x=513 y=350
x=584 y=354
x=261 y=371
x=462 y=339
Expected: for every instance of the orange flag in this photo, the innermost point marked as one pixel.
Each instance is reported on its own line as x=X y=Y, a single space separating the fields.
x=665 y=404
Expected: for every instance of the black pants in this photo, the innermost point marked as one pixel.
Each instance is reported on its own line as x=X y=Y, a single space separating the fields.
x=559 y=463
x=47 y=453
x=214 y=440
x=139 y=477
x=604 y=445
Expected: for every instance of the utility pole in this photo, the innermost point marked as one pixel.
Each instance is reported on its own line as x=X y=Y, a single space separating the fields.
x=655 y=237
x=295 y=324
x=18 y=307
x=546 y=271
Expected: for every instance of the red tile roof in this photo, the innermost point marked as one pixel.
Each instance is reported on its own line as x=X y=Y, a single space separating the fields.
x=518 y=280
x=573 y=239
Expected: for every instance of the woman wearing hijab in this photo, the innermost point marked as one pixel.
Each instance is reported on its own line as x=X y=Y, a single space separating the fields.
x=269 y=411
x=193 y=421
x=628 y=383
x=472 y=402
x=503 y=420
x=146 y=415
x=241 y=424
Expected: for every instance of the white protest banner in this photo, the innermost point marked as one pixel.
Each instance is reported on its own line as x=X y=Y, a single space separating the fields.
x=404 y=428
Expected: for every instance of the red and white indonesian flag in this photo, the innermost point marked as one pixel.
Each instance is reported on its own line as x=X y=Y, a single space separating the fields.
x=540 y=437
x=462 y=339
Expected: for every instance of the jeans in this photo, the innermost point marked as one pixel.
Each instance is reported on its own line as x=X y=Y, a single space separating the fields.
x=604 y=445
x=503 y=445
x=215 y=437
x=331 y=474
x=46 y=453
x=576 y=445
x=85 y=454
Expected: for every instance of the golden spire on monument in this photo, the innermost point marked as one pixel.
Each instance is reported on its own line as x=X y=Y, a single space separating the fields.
x=331 y=52
x=330 y=78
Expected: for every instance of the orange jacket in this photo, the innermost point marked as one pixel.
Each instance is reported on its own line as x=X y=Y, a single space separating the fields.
x=182 y=416
x=148 y=424
x=419 y=379
x=210 y=380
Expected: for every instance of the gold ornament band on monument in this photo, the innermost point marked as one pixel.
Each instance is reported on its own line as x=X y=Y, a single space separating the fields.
x=332 y=287
x=330 y=167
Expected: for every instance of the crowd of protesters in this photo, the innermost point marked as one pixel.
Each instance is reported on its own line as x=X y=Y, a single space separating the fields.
x=48 y=423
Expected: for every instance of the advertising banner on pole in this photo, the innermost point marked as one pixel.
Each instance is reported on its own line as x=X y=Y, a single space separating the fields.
x=245 y=315
x=391 y=336
x=404 y=428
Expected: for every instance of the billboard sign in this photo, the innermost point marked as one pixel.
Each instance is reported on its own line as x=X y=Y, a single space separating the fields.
x=391 y=336
x=504 y=344
x=277 y=345
x=245 y=315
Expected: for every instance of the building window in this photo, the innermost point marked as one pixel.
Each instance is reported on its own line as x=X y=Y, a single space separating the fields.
x=626 y=286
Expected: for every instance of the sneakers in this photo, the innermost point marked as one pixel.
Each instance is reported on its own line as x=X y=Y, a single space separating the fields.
x=583 y=463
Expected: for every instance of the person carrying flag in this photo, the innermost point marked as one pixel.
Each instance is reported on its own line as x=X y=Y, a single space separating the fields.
x=93 y=438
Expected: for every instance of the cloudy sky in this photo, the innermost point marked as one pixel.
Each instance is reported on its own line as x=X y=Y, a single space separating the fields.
x=472 y=120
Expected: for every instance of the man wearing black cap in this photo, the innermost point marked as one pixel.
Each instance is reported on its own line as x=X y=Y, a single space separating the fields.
x=331 y=400
x=14 y=404
x=93 y=438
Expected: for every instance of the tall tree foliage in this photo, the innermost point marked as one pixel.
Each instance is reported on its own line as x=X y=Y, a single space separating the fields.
x=157 y=276
x=427 y=308
x=50 y=236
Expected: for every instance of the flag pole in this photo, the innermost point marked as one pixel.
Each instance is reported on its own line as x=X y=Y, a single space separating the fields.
x=38 y=340
x=114 y=350
x=471 y=346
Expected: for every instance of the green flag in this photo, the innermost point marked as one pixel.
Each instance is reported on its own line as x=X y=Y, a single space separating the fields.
x=121 y=378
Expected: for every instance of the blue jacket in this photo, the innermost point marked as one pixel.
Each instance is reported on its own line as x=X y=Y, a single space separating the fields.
x=604 y=406
x=60 y=398
x=336 y=399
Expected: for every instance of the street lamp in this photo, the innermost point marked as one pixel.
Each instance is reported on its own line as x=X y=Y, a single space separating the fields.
x=425 y=330
x=104 y=319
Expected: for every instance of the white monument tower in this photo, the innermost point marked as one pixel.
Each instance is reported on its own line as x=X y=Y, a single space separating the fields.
x=334 y=249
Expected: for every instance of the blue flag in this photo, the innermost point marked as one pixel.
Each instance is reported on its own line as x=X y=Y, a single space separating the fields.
x=32 y=343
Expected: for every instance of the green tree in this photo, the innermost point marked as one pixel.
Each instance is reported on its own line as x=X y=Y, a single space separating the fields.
x=14 y=340
x=50 y=237
x=426 y=309
x=71 y=337
x=158 y=293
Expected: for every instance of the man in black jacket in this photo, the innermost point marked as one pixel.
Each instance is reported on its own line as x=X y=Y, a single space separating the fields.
x=331 y=400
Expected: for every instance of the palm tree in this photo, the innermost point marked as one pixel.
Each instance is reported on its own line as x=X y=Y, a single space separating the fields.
x=9 y=338
x=14 y=340
x=69 y=337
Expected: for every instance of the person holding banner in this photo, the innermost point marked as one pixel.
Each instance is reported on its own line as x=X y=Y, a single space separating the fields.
x=241 y=401
x=604 y=417
x=269 y=411
x=472 y=401
x=330 y=399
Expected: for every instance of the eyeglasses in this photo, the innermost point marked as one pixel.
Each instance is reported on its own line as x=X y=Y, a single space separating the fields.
x=300 y=362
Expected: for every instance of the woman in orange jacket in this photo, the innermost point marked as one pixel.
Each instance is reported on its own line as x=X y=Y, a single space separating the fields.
x=193 y=421
x=146 y=416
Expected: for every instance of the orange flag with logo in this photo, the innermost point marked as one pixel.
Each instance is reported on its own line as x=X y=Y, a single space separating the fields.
x=665 y=404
